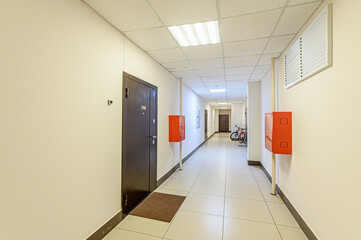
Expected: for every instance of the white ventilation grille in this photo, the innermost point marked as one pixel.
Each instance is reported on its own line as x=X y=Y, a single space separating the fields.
x=312 y=53
x=292 y=65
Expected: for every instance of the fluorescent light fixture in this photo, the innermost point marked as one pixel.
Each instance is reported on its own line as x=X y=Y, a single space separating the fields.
x=196 y=34
x=222 y=103
x=217 y=90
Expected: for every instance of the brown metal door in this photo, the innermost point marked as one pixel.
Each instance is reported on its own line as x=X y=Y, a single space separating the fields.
x=139 y=141
x=223 y=123
x=205 y=124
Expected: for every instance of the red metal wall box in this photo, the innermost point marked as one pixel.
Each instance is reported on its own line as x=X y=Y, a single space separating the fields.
x=279 y=132
x=176 y=128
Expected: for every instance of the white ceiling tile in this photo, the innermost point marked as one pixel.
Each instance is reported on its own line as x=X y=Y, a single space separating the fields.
x=294 y=18
x=243 y=77
x=185 y=74
x=266 y=58
x=178 y=66
x=262 y=69
x=257 y=77
x=221 y=97
x=194 y=85
x=125 y=14
x=203 y=52
x=241 y=61
x=278 y=44
x=153 y=38
x=244 y=48
x=208 y=63
x=212 y=85
x=213 y=79
x=236 y=84
x=294 y=2
x=250 y=26
x=202 y=91
x=238 y=7
x=175 y=12
x=211 y=72
x=192 y=79
x=168 y=55
x=239 y=70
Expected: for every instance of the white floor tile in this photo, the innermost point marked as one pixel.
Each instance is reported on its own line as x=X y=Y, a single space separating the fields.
x=204 y=204
x=245 y=192
x=291 y=233
x=232 y=170
x=248 y=210
x=266 y=192
x=197 y=226
x=281 y=215
x=211 y=188
x=178 y=184
x=186 y=174
x=235 y=229
x=241 y=180
x=263 y=181
x=212 y=177
x=143 y=225
x=214 y=169
x=170 y=191
x=118 y=234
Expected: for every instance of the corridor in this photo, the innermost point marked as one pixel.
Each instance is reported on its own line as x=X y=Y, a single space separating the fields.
x=225 y=199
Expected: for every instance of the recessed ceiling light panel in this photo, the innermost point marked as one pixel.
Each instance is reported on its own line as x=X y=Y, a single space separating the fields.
x=196 y=34
x=217 y=90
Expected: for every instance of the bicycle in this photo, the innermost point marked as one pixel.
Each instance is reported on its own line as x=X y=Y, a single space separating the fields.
x=236 y=135
x=243 y=137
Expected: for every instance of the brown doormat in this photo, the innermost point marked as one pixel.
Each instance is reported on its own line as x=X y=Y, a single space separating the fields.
x=159 y=206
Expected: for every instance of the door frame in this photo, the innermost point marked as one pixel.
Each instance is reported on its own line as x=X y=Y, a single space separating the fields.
x=219 y=122
x=155 y=167
x=205 y=124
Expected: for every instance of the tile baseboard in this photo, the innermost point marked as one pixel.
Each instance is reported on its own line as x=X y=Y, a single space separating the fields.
x=253 y=163
x=106 y=228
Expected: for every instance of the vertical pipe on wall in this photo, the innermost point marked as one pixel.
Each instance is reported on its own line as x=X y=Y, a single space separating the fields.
x=180 y=113
x=273 y=109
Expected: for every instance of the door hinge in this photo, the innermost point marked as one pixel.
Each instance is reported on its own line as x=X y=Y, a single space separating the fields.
x=126 y=92
x=125 y=200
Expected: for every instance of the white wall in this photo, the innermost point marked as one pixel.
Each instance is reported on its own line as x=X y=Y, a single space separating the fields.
x=216 y=126
x=266 y=107
x=253 y=122
x=237 y=115
x=195 y=136
x=322 y=177
x=60 y=144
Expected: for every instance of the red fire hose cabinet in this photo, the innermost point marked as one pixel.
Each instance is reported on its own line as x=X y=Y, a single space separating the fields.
x=176 y=128
x=279 y=132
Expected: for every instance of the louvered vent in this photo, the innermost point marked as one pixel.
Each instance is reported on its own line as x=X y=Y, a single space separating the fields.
x=312 y=53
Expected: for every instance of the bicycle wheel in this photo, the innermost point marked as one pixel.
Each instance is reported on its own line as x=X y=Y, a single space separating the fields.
x=242 y=138
x=234 y=136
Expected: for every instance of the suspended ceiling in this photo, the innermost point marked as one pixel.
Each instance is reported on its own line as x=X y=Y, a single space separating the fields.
x=251 y=33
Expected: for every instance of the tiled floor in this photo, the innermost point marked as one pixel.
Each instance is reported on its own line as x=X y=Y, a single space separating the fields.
x=226 y=200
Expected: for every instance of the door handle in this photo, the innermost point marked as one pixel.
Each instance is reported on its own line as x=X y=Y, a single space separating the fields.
x=153 y=137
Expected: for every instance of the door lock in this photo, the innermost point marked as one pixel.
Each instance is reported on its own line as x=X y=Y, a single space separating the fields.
x=154 y=137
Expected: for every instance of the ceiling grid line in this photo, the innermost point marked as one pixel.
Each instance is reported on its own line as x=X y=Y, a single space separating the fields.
x=273 y=30
x=221 y=42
